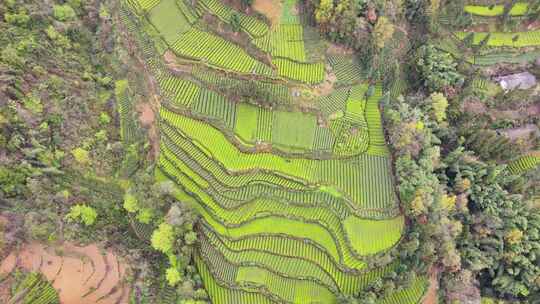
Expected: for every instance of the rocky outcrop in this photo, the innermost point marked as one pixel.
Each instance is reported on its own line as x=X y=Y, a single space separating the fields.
x=524 y=81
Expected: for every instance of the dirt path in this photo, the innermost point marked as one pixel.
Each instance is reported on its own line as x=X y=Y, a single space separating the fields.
x=147 y=118
x=172 y=63
x=521 y=132
x=82 y=275
x=431 y=294
x=478 y=107
x=336 y=49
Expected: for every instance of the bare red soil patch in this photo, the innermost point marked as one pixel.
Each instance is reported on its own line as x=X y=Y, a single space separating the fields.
x=82 y=275
x=146 y=116
x=335 y=49
x=270 y=8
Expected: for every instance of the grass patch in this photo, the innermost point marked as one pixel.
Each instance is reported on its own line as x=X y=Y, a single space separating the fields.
x=161 y=16
x=373 y=236
x=245 y=126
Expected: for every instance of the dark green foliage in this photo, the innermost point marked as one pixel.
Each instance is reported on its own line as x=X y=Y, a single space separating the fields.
x=468 y=40
x=500 y=239
x=437 y=68
x=431 y=234
x=416 y=11
x=463 y=216
x=55 y=98
x=454 y=15
x=13 y=180
x=489 y=145
x=19 y=18
x=247 y=3
x=235 y=23
x=346 y=25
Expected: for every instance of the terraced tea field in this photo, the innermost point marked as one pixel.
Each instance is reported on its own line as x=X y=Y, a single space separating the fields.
x=293 y=199
x=492 y=44
x=525 y=163
x=517 y=9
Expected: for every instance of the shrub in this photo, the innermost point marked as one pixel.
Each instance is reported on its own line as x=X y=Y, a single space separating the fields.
x=190 y=238
x=20 y=19
x=163 y=238
x=81 y=155
x=63 y=12
x=57 y=38
x=383 y=31
x=145 y=215
x=104 y=118
x=101 y=136
x=10 y=56
x=247 y=3
x=82 y=213
x=12 y=180
x=130 y=203
x=235 y=23
x=173 y=276
x=439 y=104
x=415 y=11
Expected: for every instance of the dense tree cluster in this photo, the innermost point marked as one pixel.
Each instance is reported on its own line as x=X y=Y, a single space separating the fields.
x=466 y=223
x=437 y=69
x=501 y=240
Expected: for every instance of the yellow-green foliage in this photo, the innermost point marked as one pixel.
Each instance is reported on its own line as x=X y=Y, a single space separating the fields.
x=311 y=73
x=144 y=5
x=499 y=39
x=371 y=236
x=120 y=87
x=34 y=289
x=525 y=163
x=251 y=25
x=130 y=202
x=215 y=50
x=81 y=155
x=519 y=9
x=83 y=213
x=161 y=16
x=163 y=238
x=439 y=105
x=246 y=122
x=145 y=215
x=384 y=29
x=173 y=276
x=63 y=12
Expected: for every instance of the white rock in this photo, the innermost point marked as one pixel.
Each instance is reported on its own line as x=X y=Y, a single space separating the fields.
x=522 y=81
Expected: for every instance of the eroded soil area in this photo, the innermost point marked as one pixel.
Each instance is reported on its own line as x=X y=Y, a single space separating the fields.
x=82 y=275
